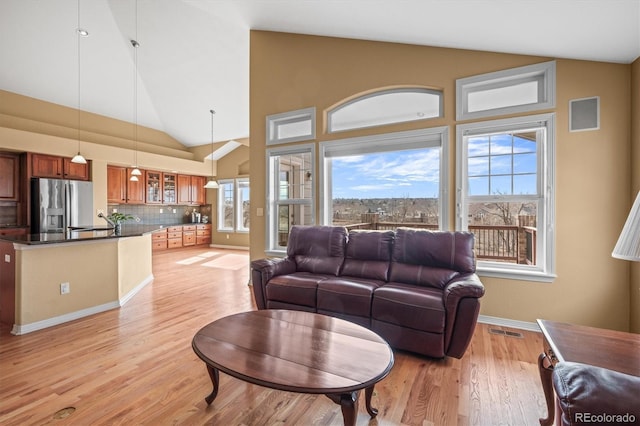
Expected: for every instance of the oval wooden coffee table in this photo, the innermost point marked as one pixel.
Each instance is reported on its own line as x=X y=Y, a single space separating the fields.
x=296 y=352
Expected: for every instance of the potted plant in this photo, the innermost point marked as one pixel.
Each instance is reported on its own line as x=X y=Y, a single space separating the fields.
x=117 y=219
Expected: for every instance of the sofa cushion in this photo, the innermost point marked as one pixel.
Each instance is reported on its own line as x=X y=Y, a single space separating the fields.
x=348 y=295
x=431 y=258
x=317 y=249
x=299 y=288
x=368 y=254
x=420 y=308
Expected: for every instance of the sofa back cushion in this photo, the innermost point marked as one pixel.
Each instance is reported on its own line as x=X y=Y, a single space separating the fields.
x=431 y=258
x=368 y=254
x=317 y=249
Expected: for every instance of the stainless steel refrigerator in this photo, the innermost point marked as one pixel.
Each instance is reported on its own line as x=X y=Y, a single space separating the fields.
x=57 y=204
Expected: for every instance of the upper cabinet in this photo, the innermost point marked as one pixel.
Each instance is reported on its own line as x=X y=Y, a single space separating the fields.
x=154 y=187
x=120 y=189
x=9 y=167
x=161 y=187
x=191 y=190
x=52 y=166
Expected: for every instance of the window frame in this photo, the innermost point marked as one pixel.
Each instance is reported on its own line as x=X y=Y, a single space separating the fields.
x=273 y=121
x=239 y=227
x=405 y=139
x=235 y=203
x=544 y=73
x=272 y=182
x=222 y=183
x=544 y=271
x=422 y=90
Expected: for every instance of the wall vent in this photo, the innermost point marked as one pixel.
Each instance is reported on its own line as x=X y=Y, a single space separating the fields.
x=506 y=333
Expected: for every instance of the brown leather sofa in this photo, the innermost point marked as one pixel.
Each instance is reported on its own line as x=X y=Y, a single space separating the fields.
x=415 y=288
x=593 y=395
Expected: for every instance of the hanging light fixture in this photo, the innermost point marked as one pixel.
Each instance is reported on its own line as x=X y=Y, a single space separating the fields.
x=212 y=184
x=136 y=171
x=78 y=158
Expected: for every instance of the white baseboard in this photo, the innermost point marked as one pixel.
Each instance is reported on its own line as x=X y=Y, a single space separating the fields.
x=506 y=322
x=136 y=289
x=222 y=246
x=71 y=316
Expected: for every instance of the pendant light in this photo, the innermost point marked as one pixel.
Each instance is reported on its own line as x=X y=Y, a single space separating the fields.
x=136 y=171
x=78 y=158
x=212 y=184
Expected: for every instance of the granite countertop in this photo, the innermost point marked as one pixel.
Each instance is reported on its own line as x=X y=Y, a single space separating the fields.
x=80 y=235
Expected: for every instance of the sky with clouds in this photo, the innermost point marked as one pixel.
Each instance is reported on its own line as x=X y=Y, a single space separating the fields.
x=400 y=174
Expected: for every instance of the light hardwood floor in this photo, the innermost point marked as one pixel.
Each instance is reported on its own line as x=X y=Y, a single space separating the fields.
x=135 y=366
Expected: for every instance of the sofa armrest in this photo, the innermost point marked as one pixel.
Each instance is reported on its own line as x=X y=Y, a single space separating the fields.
x=462 y=306
x=262 y=270
x=586 y=392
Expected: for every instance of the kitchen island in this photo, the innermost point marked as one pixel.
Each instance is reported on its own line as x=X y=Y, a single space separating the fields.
x=49 y=279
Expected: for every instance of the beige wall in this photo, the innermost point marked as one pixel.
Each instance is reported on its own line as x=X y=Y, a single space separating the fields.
x=134 y=263
x=290 y=72
x=91 y=270
x=634 y=282
x=100 y=273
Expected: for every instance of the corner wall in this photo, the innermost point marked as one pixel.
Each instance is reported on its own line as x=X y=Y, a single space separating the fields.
x=634 y=281
x=290 y=72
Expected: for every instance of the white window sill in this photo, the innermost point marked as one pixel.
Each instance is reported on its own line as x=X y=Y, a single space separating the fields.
x=512 y=274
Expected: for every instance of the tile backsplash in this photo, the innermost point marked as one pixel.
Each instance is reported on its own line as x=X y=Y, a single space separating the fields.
x=161 y=215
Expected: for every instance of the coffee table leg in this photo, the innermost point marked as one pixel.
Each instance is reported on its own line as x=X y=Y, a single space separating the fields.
x=368 y=393
x=349 y=404
x=215 y=379
x=545 y=368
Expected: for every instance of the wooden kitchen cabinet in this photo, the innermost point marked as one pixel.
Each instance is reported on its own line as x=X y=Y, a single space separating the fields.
x=203 y=233
x=53 y=166
x=47 y=166
x=75 y=171
x=160 y=187
x=135 y=189
x=169 y=190
x=159 y=240
x=154 y=187
x=189 y=235
x=191 y=190
x=116 y=185
x=120 y=189
x=174 y=236
x=9 y=169
x=198 y=195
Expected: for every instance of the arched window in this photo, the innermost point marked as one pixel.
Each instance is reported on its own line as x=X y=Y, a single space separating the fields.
x=385 y=107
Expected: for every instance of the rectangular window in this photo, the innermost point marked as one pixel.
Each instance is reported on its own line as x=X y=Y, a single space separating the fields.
x=233 y=205
x=505 y=195
x=386 y=181
x=226 y=201
x=528 y=88
x=290 y=194
x=291 y=126
x=243 y=206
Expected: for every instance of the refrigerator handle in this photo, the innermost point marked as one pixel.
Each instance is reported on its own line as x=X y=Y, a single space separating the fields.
x=67 y=206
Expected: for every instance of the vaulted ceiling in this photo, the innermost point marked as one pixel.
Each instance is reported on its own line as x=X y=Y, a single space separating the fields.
x=194 y=54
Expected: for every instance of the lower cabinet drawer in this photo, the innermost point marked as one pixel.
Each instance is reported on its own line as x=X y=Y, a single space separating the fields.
x=159 y=235
x=174 y=242
x=203 y=239
x=188 y=238
x=159 y=245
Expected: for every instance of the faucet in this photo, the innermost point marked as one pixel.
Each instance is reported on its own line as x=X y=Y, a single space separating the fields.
x=109 y=221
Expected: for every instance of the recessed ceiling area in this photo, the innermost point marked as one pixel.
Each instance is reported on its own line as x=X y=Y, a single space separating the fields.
x=194 y=54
